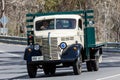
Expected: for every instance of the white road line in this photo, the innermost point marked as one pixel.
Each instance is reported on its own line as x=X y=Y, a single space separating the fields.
x=109 y=77
x=11 y=54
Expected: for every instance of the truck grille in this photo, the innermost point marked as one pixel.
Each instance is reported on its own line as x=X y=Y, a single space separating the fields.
x=50 y=52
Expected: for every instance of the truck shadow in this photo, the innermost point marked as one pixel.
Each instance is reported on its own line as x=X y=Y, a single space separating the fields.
x=62 y=72
x=59 y=73
x=110 y=59
x=109 y=64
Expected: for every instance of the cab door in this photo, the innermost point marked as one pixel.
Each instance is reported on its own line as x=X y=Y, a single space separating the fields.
x=81 y=31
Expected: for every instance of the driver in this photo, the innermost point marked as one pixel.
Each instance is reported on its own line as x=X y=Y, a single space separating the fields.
x=44 y=26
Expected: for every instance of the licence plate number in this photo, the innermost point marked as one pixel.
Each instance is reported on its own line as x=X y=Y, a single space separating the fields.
x=37 y=58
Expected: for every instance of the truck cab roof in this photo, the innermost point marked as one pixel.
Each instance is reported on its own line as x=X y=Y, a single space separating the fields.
x=72 y=16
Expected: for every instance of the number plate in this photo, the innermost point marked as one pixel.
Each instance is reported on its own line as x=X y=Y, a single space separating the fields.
x=37 y=58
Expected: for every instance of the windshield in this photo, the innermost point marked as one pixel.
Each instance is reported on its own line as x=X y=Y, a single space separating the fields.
x=52 y=24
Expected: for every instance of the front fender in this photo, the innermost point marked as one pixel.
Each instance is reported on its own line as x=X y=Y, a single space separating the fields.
x=29 y=52
x=26 y=53
x=72 y=52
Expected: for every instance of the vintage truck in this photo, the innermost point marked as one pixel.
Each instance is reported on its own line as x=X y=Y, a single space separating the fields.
x=68 y=40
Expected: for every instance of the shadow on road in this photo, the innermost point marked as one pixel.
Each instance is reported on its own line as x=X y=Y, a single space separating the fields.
x=110 y=64
x=112 y=59
x=16 y=52
x=59 y=73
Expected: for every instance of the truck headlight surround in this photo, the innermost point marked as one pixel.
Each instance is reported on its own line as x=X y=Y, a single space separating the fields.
x=63 y=45
x=36 y=47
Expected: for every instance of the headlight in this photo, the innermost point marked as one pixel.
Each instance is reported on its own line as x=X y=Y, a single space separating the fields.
x=36 y=47
x=29 y=50
x=74 y=48
x=63 y=45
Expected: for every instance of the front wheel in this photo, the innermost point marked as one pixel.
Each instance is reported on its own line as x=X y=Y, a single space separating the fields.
x=32 y=70
x=77 y=66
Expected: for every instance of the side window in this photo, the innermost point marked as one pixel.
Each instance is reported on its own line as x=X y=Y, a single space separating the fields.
x=80 y=23
x=65 y=23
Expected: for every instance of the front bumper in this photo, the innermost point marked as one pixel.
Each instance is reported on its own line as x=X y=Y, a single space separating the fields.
x=52 y=62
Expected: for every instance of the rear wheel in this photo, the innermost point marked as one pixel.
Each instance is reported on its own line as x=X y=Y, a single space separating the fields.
x=89 y=65
x=77 y=66
x=95 y=65
x=92 y=65
x=98 y=58
x=49 y=69
x=32 y=70
x=46 y=69
x=52 y=69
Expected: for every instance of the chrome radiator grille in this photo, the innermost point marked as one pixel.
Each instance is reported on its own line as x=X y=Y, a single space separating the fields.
x=50 y=52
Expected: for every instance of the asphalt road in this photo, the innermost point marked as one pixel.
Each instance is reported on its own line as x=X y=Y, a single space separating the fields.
x=12 y=67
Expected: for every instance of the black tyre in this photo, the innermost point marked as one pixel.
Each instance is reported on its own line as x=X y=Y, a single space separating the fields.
x=89 y=65
x=95 y=65
x=77 y=66
x=32 y=70
x=92 y=65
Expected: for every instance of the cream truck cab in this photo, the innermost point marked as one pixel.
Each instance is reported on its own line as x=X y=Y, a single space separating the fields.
x=60 y=40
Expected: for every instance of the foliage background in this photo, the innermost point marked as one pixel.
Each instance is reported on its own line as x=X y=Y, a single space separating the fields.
x=107 y=14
